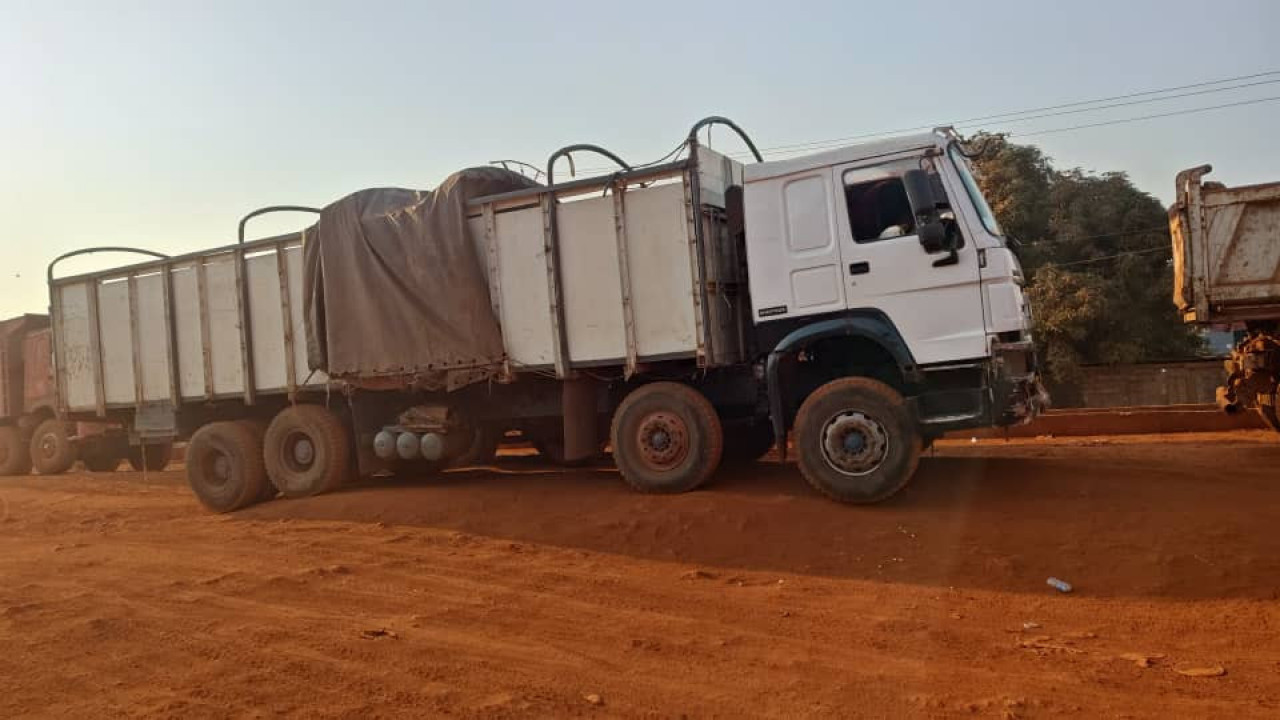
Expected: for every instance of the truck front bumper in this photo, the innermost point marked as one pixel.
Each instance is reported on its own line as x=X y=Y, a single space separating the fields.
x=1017 y=394
x=1000 y=391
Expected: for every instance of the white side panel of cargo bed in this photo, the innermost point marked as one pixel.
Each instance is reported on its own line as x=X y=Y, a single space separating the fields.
x=73 y=349
x=522 y=267
x=592 y=288
x=153 y=334
x=224 y=326
x=661 y=278
x=186 y=317
x=266 y=322
x=293 y=258
x=117 y=341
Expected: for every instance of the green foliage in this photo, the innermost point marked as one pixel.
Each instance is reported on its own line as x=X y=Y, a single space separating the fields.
x=1093 y=303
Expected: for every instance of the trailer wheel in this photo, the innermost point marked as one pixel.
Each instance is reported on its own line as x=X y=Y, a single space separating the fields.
x=100 y=457
x=224 y=466
x=482 y=449
x=666 y=438
x=51 y=450
x=747 y=442
x=258 y=429
x=307 y=451
x=152 y=457
x=856 y=440
x=15 y=455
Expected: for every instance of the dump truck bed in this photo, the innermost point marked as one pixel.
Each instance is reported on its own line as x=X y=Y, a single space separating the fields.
x=1226 y=250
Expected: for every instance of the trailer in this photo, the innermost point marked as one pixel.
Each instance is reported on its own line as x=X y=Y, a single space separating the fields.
x=32 y=436
x=701 y=309
x=1226 y=267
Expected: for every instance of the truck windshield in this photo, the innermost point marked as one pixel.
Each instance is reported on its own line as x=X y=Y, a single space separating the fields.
x=975 y=193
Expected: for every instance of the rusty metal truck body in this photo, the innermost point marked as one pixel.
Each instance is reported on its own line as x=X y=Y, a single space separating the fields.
x=32 y=434
x=1226 y=259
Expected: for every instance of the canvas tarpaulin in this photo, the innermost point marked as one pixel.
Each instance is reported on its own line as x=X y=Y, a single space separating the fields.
x=393 y=285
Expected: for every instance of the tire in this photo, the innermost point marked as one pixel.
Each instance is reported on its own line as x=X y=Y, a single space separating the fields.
x=482 y=450
x=1269 y=415
x=666 y=438
x=100 y=457
x=747 y=442
x=51 y=450
x=307 y=451
x=15 y=453
x=152 y=457
x=867 y=414
x=258 y=429
x=224 y=466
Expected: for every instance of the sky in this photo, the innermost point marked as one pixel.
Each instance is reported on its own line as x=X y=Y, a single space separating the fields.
x=159 y=124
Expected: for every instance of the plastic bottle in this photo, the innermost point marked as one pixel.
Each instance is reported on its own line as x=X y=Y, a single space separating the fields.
x=1059 y=585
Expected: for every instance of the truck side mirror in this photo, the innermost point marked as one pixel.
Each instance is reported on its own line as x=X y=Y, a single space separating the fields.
x=933 y=237
x=919 y=189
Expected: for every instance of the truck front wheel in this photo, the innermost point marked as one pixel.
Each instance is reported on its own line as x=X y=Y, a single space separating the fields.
x=856 y=440
x=224 y=466
x=666 y=438
x=51 y=450
x=152 y=457
x=15 y=456
x=307 y=451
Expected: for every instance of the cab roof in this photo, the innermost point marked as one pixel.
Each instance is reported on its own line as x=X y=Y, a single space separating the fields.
x=852 y=153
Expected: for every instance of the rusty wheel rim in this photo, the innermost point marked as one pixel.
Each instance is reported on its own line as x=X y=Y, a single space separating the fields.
x=48 y=446
x=663 y=439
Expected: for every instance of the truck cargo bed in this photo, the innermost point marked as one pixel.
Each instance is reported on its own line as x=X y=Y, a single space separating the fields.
x=191 y=328
x=1226 y=250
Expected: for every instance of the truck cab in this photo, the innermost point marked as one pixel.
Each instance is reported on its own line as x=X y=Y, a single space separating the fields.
x=884 y=260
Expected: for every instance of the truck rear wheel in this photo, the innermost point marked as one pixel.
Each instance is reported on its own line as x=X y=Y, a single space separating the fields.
x=15 y=456
x=1269 y=415
x=482 y=448
x=225 y=468
x=152 y=457
x=258 y=428
x=666 y=438
x=51 y=450
x=307 y=451
x=856 y=440
x=100 y=456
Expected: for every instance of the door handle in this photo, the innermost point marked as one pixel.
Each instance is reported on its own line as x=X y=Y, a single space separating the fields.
x=859 y=268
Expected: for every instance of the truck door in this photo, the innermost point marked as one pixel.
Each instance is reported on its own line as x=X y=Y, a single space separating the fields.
x=937 y=309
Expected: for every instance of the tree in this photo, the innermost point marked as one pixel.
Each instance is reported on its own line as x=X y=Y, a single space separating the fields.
x=1099 y=285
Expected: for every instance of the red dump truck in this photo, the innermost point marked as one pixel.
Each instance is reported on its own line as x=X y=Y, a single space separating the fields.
x=31 y=434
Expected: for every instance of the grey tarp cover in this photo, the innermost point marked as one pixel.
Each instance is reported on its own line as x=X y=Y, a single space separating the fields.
x=393 y=285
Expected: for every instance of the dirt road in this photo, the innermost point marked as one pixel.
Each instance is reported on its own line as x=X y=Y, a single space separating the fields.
x=534 y=592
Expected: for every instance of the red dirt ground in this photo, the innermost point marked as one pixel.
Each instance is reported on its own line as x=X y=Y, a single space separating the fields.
x=529 y=591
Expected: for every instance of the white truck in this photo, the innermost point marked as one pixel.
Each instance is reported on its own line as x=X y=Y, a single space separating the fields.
x=861 y=300
x=1226 y=272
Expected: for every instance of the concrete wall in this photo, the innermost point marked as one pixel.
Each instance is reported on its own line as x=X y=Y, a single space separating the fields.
x=1178 y=383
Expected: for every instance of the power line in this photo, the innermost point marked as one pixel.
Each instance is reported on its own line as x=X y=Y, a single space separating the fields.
x=1123 y=233
x=818 y=145
x=1109 y=257
x=1077 y=104
x=1121 y=121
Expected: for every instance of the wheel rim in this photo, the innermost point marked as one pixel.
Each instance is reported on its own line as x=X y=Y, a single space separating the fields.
x=854 y=443
x=298 y=452
x=48 y=446
x=218 y=468
x=663 y=438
